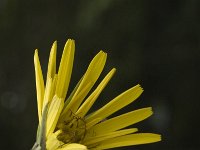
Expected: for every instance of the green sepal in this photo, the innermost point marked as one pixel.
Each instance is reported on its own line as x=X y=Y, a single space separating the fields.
x=40 y=143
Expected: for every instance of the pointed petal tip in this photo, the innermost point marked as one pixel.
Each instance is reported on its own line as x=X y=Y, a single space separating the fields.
x=102 y=52
x=151 y=109
x=114 y=70
x=55 y=42
x=135 y=129
x=70 y=40
x=36 y=52
x=160 y=137
x=139 y=87
x=36 y=57
x=54 y=46
x=157 y=137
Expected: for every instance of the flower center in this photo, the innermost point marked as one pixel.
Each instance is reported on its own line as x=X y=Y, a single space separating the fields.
x=73 y=130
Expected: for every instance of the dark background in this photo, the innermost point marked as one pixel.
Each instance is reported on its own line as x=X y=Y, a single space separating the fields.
x=154 y=43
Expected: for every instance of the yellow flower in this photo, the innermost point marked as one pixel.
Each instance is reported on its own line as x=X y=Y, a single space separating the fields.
x=64 y=123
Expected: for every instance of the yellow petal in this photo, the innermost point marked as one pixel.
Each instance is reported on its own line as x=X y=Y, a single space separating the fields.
x=106 y=136
x=93 y=122
x=39 y=84
x=128 y=140
x=55 y=109
x=53 y=87
x=92 y=98
x=47 y=92
x=73 y=146
x=52 y=61
x=121 y=121
x=72 y=94
x=94 y=70
x=117 y=103
x=65 y=116
x=65 y=69
x=52 y=141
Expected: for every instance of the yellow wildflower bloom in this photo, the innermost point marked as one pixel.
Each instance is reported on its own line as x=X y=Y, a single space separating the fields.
x=64 y=123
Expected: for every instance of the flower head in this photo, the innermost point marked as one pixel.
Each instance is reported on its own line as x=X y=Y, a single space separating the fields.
x=64 y=122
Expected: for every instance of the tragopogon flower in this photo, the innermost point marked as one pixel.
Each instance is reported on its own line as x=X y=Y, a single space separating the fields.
x=64 y=123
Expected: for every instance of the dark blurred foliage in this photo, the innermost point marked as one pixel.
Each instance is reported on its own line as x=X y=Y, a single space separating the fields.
x=154 y=43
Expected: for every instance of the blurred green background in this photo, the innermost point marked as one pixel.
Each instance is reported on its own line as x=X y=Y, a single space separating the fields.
x=154 y=43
